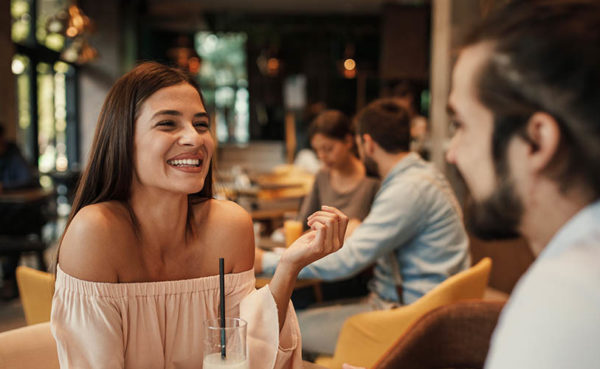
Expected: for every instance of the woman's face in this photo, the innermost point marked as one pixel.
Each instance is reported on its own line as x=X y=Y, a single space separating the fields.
x=332 y=152
x=173 y=145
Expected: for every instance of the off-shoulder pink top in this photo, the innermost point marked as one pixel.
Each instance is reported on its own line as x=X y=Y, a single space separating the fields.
x=160 y=324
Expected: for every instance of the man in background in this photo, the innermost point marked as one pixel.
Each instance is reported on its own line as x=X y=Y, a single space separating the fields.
x=413 y=233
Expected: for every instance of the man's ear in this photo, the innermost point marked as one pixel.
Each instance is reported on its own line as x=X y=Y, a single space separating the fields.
x=368 y=144
x=543 y=133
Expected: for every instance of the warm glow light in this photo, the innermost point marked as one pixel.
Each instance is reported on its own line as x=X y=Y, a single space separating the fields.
x=273 y=66
x=194 y=65
x=273 y=63
x=349 y=73
x=349 y=64
x=62 y=164
x=72 y=32
x=18 y=66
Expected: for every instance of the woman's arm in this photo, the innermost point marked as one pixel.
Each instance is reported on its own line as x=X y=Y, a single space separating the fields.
x=328 y=227
x=87 y=327
x=326 y=235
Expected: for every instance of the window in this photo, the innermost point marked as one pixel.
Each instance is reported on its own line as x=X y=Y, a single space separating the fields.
x=224 y=83
x=46 y=86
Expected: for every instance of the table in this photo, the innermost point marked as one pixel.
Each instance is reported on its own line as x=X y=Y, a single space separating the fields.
x=25 y=196
x=309 y=365
x=22 y=216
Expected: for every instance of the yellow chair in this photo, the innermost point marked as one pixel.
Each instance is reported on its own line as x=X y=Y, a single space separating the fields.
x=365 y=337
x=36 y=289
x=30 y=347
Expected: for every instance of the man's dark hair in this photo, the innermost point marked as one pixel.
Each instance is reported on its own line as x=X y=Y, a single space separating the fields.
x=387 y=122
x=1 y=129
x=545 y=58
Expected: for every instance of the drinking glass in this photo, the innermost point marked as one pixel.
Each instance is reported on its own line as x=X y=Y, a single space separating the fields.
x=292 y=228
x=235 y=344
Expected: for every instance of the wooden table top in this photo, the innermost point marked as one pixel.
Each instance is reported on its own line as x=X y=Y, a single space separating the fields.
x=266 y=243
x=25 y=196
x=309 y=365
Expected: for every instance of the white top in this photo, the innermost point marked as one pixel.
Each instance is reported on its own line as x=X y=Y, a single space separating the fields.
x=160 y=324
x=552 y=319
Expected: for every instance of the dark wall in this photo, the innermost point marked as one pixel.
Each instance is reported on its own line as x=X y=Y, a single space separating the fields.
x=309 y=45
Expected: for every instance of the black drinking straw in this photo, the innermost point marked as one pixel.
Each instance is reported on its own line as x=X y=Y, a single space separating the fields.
x=222 y=307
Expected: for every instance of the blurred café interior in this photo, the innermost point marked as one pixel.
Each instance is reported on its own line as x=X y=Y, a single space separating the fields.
x=266 y=69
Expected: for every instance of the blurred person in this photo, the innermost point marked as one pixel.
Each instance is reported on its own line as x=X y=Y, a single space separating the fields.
x=342 y=182
x=404 y=93
x=413 y=233
x=525 y=103
x=306 y=157
x=137 y=271
x=15 y=174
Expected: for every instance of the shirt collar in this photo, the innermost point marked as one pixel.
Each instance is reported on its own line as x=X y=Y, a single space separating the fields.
x=578 y=227
x=406 y=162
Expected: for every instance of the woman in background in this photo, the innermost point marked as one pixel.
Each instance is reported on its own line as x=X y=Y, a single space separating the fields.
x=342 y=182
x=137 y=272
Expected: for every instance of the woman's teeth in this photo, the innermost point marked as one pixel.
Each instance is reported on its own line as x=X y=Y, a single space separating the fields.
x=184 y=162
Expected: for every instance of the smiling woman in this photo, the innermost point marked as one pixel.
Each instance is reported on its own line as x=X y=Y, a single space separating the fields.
x=137 y=272
x=172 y=132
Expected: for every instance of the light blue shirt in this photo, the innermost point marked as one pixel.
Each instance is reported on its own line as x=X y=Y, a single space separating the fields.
x=414 y=217
x=552 y=319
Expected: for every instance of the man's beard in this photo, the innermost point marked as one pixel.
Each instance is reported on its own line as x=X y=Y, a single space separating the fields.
x=497 y=217
x=371 y=166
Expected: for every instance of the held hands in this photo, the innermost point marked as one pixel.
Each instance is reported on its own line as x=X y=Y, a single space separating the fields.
x=326 y=235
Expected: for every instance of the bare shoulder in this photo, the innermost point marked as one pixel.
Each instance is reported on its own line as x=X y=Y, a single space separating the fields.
x=230 y=227
x=93 y=242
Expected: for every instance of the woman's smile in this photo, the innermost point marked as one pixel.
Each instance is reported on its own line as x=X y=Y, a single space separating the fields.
x=186 y=165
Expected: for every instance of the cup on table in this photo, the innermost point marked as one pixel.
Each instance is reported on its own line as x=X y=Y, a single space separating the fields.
x=236 y=356
x=293 y=230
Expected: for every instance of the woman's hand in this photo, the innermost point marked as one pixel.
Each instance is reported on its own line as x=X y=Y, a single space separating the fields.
x=328 y=227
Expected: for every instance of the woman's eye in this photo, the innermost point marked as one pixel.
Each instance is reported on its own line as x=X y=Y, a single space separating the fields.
x=165 y=123
x=201 y=126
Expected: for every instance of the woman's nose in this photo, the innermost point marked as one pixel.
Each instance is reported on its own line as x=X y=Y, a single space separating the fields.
x=190 y=137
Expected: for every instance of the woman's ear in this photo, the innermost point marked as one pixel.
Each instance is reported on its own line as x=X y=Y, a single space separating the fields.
x=349 y=141
x=543 y=135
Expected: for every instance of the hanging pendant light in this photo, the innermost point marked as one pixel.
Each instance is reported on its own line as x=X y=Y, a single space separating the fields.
x=75 y=26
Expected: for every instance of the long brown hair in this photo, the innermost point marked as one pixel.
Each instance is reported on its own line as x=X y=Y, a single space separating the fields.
x=109 y=170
